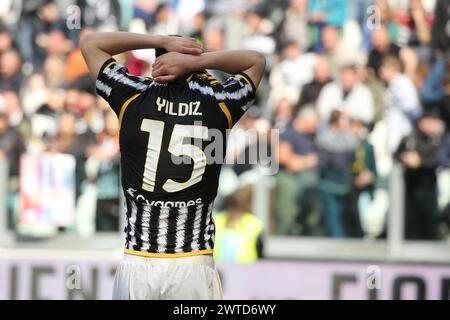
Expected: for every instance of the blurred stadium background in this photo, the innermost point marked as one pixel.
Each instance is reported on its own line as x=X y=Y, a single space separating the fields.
x=358 y=89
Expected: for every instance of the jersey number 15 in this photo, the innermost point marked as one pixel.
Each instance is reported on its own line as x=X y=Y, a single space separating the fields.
x=176 y=147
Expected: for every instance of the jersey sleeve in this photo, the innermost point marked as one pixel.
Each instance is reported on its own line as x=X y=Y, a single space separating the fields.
x=116 y=85
x=236 y=94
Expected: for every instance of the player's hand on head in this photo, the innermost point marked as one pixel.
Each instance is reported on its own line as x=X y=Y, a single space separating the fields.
x=184 y=45
x=171 y=65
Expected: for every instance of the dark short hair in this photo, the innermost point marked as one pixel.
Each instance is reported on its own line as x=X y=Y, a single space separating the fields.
x=235 y=201
x=160 y=51
x=431 y=113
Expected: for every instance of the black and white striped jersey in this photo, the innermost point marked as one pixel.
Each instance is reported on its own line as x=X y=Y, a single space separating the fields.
x=173 y=142
x=155 y=230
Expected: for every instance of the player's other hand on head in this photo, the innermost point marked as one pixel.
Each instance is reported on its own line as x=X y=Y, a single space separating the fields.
x=184 y=45
x=171 y=66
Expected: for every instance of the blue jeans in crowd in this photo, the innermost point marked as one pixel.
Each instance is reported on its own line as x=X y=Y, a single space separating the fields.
x=333 y=206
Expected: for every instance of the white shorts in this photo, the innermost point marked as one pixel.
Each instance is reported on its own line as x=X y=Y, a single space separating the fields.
x=186 y=278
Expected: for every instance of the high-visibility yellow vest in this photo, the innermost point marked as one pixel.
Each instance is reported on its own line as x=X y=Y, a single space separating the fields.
x=239 y=243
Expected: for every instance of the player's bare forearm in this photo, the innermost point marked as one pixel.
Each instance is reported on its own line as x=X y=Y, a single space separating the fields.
x=99 y=47
x=251 y=62
x=170 y=66
x=233 y=61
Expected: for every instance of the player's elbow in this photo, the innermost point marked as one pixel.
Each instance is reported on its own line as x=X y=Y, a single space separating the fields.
x=260 y=60
x=256 y=71
x=87 y=42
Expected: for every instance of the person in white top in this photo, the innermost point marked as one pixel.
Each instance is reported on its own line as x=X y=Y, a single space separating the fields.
x=346 y=95
x=402 y=102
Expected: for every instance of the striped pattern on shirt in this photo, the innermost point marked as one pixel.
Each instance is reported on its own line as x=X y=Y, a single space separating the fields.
x=155 y=231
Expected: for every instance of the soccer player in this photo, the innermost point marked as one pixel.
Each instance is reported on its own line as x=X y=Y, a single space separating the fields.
x=166 y=124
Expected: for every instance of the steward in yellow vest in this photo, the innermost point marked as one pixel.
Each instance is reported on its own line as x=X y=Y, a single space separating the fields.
x=238 y=234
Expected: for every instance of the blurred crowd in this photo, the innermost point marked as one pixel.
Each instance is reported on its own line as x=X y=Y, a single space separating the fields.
x=353 y=86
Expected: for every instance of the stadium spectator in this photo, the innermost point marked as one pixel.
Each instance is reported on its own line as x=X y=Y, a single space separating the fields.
x=51 y=19
x=328 y=12
x=12 y=145
x=75 y=66
x=54 y=42
x=322 y=76
x=66 y=139
x=199 y=26
x=103 y=167
x=385 y=17
x=165 y=21
x=295 y=24
x=440 y=41
x=13 y=109
x=285 y=73
x=382 y=47
x=11 y=77
x=100 y=14
x=432 y=89
x=336 y=145
x=259 y=38
x=239 y=232
x=44 y=96
x=419 y=153
x=186 y=11
x=347 y=95
x=214 y=39
x=10 y=12
x=445 y=102
x=336 y=51
x=297 y=209
x=377 y=88
x=365 y=180
x=6 y=41
x=284 y=112
x=42 y=28
x=402 y=102
x=419 y=23
x=145 y=10
x=53 y=70
x=219 y=8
